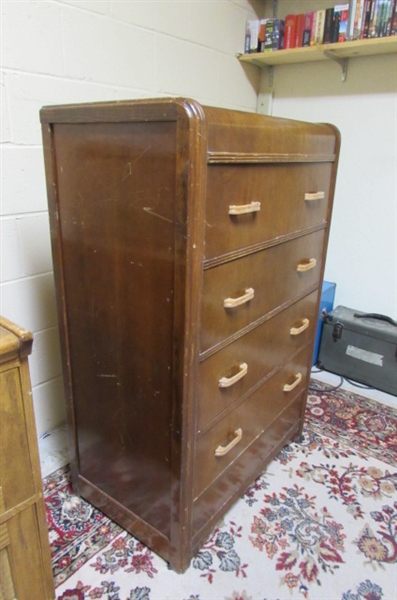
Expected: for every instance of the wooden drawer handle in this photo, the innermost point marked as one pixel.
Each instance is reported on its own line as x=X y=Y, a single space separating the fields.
x=306 y=265
x=301 y=328
x=225 y=382
x=312 y=196
x=222 y=450
x=289 y=387
x=233 y=302
x=243 y=209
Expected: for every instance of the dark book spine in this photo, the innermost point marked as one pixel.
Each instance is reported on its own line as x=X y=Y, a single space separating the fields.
x=307 y=28
x=278 y=34
x=329 y=17
x=393 y=29
x=335 y=27
x=366 y=19
x=269 y=36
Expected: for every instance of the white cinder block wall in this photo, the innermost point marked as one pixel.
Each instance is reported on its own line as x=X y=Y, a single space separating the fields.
x=62 y=51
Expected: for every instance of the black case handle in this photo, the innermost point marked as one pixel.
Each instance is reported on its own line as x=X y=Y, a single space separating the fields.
x=376 y=316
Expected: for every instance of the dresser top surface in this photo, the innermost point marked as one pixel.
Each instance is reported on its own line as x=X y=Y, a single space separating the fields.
x=226 y=130
x=14 y=340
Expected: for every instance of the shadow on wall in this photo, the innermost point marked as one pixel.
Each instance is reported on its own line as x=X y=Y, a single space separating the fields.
x=365 y=75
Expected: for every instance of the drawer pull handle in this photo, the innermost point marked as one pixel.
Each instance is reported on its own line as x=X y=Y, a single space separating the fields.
x=243 y=209
x=225 y=382
x=222 y=450
x=306 y=265
x=312 y=196
x=233 y=302
x=301 y=328
x=289 y=387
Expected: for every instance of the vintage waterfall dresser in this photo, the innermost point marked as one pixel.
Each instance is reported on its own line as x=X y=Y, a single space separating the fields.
x=189 y=246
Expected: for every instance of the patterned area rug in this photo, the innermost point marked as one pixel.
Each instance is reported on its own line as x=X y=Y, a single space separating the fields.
x=319 y=523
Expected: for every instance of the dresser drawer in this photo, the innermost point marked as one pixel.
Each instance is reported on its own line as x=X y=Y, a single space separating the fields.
x=257 y=284
x=280 y=190
x=232 y=483
x=221 y=445
x=230 y=373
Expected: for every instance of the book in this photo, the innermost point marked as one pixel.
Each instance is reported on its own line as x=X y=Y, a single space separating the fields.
x=278 y=34
x=313 y=28
x=359 y=17
x=373 y=19
x=262 y=34
x=268 y=46
x=290 y=31
x=385 y=18
x=393 y=25
x=350 y=21
x=390 y=18
x=344 y=19
x=366 y=19
x=341 y=16
x=252 y=35
x=320 y=22
x=307 y=28
x=274 y=35
x=299 y=30
x=328 y=25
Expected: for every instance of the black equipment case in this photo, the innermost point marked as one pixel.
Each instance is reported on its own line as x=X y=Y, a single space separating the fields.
x=360 y=346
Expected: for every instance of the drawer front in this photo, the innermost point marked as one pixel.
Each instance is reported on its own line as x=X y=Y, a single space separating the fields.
x=220 y=446
x=29 y=569
x=233 y=371
x=232 y=483
x=280 y=190
x=272 y=277
x=16 y=477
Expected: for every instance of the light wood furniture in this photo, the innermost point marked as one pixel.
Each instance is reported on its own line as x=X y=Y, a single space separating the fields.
x=189 y=247
x=25 y=561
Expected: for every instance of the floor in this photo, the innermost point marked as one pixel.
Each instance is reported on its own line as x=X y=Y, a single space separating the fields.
x=53 y=450
x=53 y=445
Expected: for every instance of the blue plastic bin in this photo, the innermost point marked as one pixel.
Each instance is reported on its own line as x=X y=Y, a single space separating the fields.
x=327 y=304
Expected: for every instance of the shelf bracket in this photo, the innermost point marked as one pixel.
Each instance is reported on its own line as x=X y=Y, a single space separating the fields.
x=343 y=62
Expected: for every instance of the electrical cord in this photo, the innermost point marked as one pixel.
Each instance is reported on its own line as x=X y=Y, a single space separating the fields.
x=313 y=388
x=358 y=385
x=336 y=387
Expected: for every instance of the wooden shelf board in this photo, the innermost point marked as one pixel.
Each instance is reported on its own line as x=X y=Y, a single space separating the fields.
x=356 y=48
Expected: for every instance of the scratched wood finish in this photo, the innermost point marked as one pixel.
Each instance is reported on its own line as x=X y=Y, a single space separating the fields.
x=144 y=252
x=281 y=214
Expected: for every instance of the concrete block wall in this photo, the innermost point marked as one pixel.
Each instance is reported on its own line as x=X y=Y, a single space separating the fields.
x=63 y=51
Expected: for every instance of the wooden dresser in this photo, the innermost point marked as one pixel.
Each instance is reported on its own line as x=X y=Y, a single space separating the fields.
x=25 y=560
x=189 y=246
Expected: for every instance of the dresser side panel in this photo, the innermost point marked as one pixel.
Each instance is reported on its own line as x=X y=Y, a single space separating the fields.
x=116 y=210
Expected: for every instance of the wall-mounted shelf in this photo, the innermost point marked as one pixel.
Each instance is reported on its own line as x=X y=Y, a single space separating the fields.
x=339 y=52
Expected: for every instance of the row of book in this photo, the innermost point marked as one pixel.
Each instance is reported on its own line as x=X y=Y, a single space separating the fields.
x=357 y=19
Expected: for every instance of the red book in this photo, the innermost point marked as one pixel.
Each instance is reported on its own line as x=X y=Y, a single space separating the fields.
x=290 y=31
x=299 y=30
